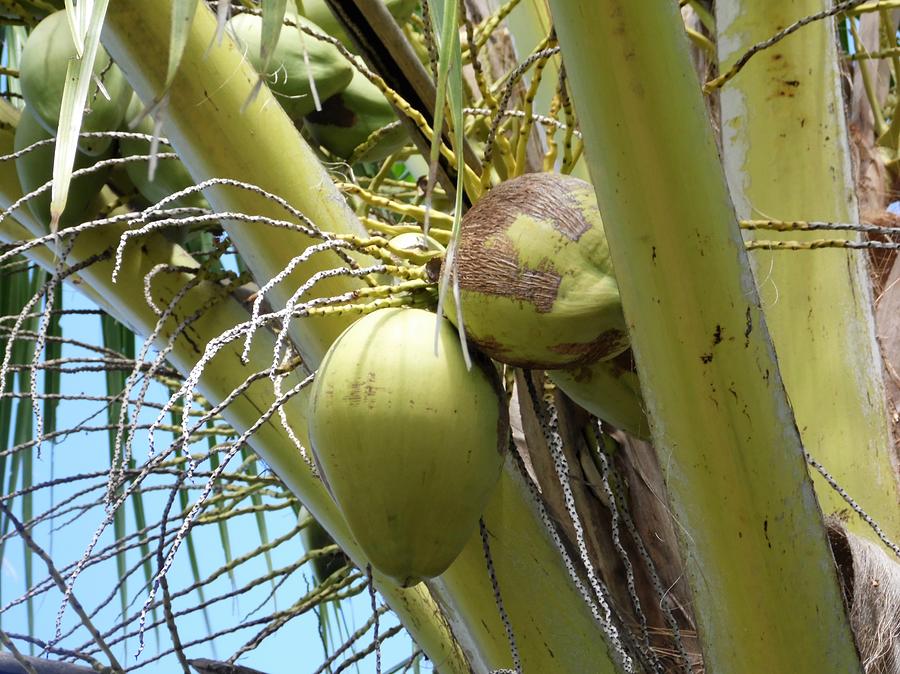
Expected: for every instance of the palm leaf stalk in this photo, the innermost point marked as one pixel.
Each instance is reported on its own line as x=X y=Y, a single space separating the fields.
x=818 y=307
x=753 y=539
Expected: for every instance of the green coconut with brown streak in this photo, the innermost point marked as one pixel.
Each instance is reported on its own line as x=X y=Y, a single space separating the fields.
x=348 y=119
x=409 y=442
x=535 y=277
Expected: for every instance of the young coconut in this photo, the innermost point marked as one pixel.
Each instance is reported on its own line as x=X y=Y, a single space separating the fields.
x=42 y=76
x=348 y=119
x=535 y=277
x=410 y=443
x=417 y=248
x=609 y=390
x=296 y=59
x=36 y=168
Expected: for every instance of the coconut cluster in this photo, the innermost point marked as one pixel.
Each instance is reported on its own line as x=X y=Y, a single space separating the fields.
x=536 y=282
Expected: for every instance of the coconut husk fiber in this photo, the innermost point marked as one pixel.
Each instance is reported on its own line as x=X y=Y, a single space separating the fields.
x=870 y=579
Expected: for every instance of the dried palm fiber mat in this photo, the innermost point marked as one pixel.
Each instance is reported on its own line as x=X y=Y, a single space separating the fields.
x=870 y=580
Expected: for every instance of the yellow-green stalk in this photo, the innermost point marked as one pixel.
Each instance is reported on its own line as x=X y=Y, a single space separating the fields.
x=762 y=577
x=218 y=136
x=787 y=156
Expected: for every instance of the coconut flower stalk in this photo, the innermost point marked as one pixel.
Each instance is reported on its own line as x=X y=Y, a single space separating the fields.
x=818 y=305
x=764 y=586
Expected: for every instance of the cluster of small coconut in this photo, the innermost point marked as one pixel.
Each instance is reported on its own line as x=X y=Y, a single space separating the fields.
x=409 y=440
x=351 y=108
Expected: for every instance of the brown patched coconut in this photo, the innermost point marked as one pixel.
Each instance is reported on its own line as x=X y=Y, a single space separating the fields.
x=535 y=277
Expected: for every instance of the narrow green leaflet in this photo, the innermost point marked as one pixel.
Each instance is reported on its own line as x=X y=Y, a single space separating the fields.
x=446 y=25
x=221 y=19
x=446 y=51
x=182 y=17
x=14 y=39
x=222 y=524
x=116 y=338
x=15 y=291
x=140 y=523
x=272 y=20
x=23 y=431
x=71 y=113
x=194 y=561
x=77 y=16
x=250 y=463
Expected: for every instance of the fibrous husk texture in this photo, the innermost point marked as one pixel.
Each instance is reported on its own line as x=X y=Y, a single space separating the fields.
x=535 y=277
x=871 y=583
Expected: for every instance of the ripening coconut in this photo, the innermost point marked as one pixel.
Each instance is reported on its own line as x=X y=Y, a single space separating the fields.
x=36 y=168
x=410 y=443
x=535 y=277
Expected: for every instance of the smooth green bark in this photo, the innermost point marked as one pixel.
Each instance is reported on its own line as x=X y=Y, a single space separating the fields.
x=818 y=304
x=761 y=572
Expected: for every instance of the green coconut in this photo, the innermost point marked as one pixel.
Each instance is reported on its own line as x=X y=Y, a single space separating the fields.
x=287 y=73
x=349 y=118
x=36 y=168
x=319 y=12
x=610 y=390
x=535 y=277
x=417 y=248
x=170 y=176
x=315 y=538
x=45 y=59
x=410 y=443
